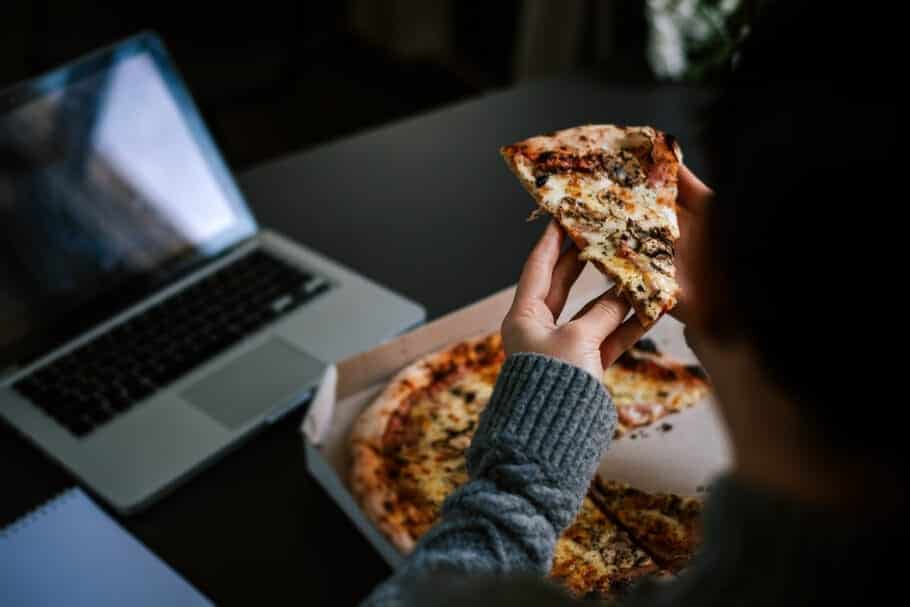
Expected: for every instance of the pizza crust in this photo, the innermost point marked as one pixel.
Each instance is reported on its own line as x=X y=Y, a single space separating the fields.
x=371 y=424
x=376 y=496
x=369 y=481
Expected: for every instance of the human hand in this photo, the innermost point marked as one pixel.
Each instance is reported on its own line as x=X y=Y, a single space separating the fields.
x=693 y=201
x=593 y=339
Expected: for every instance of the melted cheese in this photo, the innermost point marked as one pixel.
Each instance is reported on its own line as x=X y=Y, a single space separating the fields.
x=641 y=398
x=435 y=464
x=598 y=211
x=593 y=556
x=630 y=388
x=665 y=524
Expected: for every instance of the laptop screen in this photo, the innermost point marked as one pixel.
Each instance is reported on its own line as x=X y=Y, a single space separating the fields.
x=109 y=188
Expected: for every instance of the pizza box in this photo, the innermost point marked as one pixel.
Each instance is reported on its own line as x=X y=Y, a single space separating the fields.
x=680 y=453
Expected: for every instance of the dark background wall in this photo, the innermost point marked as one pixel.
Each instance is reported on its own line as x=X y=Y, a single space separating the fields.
x=275 y=77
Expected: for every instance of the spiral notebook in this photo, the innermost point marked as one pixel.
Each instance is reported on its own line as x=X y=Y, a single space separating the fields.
x=70 y=552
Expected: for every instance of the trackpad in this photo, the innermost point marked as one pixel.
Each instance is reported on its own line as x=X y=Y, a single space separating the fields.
x=269 y=376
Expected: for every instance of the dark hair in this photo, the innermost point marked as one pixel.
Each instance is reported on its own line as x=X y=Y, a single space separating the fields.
x=802 y=148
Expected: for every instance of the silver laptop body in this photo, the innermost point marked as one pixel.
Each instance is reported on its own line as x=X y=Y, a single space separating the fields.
x=113 y=145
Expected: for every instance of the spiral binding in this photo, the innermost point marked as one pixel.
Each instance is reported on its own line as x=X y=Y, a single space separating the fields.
x=38 y=513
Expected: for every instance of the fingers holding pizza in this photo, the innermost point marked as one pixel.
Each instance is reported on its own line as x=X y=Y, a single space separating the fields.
x=593 y=339
x=693 y=202
x=628 y=203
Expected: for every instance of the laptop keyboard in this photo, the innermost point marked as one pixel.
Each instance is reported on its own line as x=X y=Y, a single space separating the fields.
x=91 y=385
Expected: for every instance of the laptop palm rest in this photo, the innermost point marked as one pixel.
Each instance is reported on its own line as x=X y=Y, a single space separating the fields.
x=274 y=374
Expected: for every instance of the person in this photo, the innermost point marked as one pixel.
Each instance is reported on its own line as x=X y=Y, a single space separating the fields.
x=790 y=284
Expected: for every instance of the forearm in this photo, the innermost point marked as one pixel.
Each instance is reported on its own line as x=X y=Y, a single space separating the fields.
x=531 y=460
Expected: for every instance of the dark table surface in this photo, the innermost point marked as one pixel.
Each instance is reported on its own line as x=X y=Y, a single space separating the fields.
x=424 y=206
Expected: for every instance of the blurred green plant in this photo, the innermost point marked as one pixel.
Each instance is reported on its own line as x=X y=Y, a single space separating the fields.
x=696 y=40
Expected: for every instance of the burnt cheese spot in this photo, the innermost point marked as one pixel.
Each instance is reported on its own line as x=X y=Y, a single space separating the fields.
x=627 y=361
x=541 y=180
x=624 y=169
x=697 y=371
x=646 y=345
x=653 y=247
x=440 y=372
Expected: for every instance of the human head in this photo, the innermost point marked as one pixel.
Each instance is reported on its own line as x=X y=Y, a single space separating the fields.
x=802 y=149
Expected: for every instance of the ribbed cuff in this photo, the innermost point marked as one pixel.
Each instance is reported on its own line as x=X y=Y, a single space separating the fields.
x=551 y=412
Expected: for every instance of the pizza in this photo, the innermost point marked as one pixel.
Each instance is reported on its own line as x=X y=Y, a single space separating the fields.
x=613 y=189
x=408 y=454
x=665 y=525
x=647 y=385
x=594 y=558
x=408 y=446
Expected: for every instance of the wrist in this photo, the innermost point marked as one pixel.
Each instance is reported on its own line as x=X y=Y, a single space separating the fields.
x=551 y=412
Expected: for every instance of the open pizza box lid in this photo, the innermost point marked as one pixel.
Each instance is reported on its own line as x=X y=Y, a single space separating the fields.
x=681 y=455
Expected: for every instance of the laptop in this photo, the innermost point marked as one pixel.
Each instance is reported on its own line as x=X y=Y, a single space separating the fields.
x=147 y=323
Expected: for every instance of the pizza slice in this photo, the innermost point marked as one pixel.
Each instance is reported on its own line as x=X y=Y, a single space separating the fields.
x=666 y=525
x=596 y=559
x=613 y=189
x=647 y=385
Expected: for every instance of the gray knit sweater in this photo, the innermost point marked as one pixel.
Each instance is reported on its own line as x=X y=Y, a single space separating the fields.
x=533 y=455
